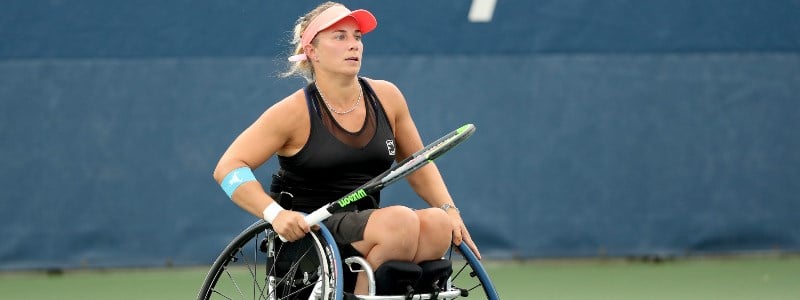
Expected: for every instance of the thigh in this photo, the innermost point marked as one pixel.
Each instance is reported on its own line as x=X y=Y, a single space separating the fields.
x=388 y=225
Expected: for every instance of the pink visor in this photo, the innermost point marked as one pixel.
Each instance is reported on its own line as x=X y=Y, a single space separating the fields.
x=366 y=23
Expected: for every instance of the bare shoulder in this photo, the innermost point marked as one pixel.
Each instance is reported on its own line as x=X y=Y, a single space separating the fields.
x=384 y=88
x=284 y=119
x=390 y=96
x=290 y=108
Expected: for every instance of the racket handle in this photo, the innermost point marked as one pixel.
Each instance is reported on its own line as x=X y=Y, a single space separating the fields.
x=318 y=215
x=314 y=218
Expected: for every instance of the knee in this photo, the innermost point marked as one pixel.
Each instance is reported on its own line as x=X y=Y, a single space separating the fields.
x=401 y=219
x=398 y=223
x=436 y=231
x=436 y=221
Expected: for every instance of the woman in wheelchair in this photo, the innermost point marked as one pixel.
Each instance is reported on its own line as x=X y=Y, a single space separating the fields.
x=332 y=136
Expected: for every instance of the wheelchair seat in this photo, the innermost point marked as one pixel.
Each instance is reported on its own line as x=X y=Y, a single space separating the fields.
x=396 y=278
x=403 y=278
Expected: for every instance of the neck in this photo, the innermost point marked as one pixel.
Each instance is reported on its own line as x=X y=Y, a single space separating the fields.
x=339 y=90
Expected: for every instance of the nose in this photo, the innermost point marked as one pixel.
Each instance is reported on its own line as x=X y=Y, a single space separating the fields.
x=355 y=43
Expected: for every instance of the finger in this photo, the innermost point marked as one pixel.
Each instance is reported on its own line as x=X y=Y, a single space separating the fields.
x=457 y=237
x=474 y=249
x=299 y=231
x=300 y=227
x=287 y=237
x=288 y=234
x=304 y=226
x=283 y=232
x=471 y=244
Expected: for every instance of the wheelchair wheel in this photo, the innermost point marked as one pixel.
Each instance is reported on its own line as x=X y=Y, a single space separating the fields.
x=469 y=275
x=257 y=265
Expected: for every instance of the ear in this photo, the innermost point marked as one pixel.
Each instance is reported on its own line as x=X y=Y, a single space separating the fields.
x=310 y=52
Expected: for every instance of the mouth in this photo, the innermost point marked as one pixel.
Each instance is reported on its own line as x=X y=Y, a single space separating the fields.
x=352 y=58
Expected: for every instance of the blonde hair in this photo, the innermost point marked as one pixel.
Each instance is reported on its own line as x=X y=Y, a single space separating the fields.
x=304 y=68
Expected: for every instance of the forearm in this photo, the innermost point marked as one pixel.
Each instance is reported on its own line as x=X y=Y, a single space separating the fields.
x=249 y=195
x=427 y=182
x=252 y=198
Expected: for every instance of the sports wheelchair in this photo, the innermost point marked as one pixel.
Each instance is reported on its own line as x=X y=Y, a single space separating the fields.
x=257 y=265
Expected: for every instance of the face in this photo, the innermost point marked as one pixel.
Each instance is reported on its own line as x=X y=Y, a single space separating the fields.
x=338 y=48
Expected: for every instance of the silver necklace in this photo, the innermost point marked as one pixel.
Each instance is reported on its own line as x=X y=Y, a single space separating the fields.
x=358 y=100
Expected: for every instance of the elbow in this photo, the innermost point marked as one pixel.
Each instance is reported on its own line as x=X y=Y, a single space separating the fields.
x=216 y=175
x=224 y=167
x=219 y=173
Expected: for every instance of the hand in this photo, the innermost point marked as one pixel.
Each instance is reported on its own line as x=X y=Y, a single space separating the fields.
x=460 y=232
x=290 y=225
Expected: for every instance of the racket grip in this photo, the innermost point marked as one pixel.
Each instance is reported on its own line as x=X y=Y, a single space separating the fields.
x=314 y=218
x=317 y=216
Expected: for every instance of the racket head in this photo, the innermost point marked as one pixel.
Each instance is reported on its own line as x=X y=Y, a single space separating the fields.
x=446 y=143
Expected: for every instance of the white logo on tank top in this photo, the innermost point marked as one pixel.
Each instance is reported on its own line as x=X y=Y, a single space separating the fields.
x=390 y=146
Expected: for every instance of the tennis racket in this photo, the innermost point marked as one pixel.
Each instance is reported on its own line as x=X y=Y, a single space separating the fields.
x=398 y=171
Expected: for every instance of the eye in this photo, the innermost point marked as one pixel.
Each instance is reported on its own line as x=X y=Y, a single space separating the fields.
x=339 y=36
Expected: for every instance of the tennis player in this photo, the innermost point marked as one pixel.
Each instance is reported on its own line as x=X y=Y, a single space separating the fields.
x=332 y=136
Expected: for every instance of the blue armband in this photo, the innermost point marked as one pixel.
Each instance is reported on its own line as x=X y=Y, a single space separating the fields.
x=235 y=178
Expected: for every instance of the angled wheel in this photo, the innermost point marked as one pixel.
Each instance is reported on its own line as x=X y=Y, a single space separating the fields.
x=469 y=276
x=257 y=265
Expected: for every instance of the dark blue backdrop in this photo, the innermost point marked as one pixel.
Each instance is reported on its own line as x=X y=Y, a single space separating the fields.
x=604 y=128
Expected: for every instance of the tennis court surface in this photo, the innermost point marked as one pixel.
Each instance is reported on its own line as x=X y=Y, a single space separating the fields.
x=734 y=278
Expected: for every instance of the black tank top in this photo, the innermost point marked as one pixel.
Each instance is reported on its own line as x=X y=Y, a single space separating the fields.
x=334 y=162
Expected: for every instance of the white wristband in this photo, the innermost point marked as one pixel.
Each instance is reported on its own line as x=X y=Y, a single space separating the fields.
x=271 y=212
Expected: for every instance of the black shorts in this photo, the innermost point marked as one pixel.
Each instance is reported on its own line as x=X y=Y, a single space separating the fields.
x=348 y=226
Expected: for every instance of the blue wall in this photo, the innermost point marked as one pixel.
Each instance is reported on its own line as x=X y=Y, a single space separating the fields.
x=614 y=128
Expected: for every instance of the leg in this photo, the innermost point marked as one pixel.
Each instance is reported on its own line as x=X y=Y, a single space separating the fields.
x=392 y=233
x=435 y=234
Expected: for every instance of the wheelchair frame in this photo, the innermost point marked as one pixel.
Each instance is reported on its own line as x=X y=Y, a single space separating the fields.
x=246 y=269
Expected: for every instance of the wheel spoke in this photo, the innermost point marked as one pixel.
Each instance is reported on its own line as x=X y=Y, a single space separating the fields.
x=256 y=261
